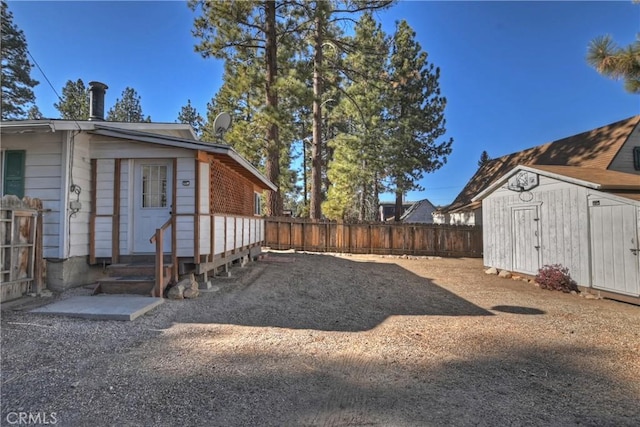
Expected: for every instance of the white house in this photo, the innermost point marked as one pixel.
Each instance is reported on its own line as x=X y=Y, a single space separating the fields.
x=106 y=188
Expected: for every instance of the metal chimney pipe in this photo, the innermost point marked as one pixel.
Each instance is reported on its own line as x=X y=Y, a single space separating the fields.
x=96 y=100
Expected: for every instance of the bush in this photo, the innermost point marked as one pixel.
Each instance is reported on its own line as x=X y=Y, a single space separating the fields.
x=556 y=278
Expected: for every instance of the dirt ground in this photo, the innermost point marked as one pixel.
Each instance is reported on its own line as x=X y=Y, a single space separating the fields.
x=321 y=340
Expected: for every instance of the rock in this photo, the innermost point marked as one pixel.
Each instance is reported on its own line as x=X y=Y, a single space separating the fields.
x=516 y=277
x=574 y=293
x=176 y=292
x=46 y=293
x=505 y=274
x=191 y=293
x=491 y=270
x=590 y=296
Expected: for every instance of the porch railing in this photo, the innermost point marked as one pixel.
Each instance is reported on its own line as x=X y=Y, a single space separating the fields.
x=158 y=239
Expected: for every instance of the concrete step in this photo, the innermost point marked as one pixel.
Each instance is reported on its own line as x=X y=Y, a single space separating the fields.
x=138 y=285
x=137 y=269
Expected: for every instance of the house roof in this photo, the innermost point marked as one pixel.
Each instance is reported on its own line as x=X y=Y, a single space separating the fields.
x=140 y=132
x=414 y=207
x=594 y=149
x=618 y=183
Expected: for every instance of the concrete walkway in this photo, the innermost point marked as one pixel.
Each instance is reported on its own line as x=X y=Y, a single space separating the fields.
x=102 y=307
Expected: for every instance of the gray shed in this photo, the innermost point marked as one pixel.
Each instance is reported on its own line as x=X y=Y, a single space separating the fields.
x=582 y=218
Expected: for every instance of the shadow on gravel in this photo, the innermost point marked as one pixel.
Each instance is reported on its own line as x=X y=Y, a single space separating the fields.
x=523 y=385
x=515 y=309
x=329 y=293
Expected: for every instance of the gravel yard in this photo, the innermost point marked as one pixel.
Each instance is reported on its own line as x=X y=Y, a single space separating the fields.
x=321 y=340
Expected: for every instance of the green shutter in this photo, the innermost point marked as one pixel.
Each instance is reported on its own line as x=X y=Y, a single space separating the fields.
x=14 y=173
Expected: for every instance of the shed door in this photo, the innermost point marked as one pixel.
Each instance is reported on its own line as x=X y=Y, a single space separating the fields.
x=525 y=239
x=615 y=255
x=151 y=203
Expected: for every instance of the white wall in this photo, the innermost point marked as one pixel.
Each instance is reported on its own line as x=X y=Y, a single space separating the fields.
x=80 y=175
x=104 y=206
x=563 y=226
x=43 y=180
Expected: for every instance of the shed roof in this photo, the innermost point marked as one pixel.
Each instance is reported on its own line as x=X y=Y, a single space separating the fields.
x=594 y=149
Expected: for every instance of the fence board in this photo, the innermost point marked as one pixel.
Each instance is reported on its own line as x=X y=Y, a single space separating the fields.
x=373 y=238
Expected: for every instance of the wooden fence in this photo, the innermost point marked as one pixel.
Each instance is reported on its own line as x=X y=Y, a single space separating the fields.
x=373 y=238
x=21 y=262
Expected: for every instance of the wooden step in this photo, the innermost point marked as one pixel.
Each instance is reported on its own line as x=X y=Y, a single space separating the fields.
x=138 y=285
x=128 y=270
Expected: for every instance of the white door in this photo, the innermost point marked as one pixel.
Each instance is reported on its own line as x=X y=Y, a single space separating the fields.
x=525 y=239
x=615 y=251
x=151 y=203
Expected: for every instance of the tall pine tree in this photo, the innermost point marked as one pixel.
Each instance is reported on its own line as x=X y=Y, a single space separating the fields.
x=416 y=116
x=17 y=84
x=127 y=109
x=357 y=165
x=74 y=102
x=189 y=115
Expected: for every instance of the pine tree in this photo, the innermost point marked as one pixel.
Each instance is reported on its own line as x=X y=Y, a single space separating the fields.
x=127 y=109
x=357 y=164
x=322 y=17
x=34 y=113
x=416 y=117
x=74 y=102
x=229 y=30
x=616 y=62
x=17 y=84
x=484 y=158
x=189 y=115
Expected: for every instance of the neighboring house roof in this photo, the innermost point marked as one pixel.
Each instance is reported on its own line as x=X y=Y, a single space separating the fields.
x=136 y=132
x=614 y=182
x=415 y=207
x=593 y=149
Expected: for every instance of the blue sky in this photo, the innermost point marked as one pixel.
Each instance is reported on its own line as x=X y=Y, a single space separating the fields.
x=514 y=73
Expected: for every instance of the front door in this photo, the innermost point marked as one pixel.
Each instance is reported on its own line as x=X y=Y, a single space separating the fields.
x=615 y=251
x=526 y=239
x=151 y=202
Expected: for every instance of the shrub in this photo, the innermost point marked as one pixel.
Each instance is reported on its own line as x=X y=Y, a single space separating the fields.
x=556 y=278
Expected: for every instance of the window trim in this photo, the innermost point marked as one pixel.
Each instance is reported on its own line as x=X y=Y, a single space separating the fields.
x=636 y=158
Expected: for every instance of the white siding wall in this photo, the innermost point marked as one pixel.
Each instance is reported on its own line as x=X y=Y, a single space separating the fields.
x=43 y=180
x=104 y=206
x=563 y=226
x=185 y=199
x=623 y=161
x=125 y=237
x=80 y=176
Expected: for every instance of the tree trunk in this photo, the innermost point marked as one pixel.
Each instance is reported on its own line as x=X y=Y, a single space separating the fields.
x=362 y=215
x=398 y=209
x=272 y=164
x=315 y=209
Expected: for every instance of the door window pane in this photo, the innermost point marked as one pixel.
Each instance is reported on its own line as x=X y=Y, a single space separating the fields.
x=154 y=186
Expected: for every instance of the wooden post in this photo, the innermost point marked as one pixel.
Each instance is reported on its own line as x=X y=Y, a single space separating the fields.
x=174 y=224
x=39 y=250
x=160 y=264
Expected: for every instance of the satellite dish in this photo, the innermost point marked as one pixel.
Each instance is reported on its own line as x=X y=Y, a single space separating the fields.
x=221 y=124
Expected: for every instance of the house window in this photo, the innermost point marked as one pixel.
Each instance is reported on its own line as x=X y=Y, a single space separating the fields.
x=636 y=158
x=13 y=172
x=257 y=204
x=154 y=186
